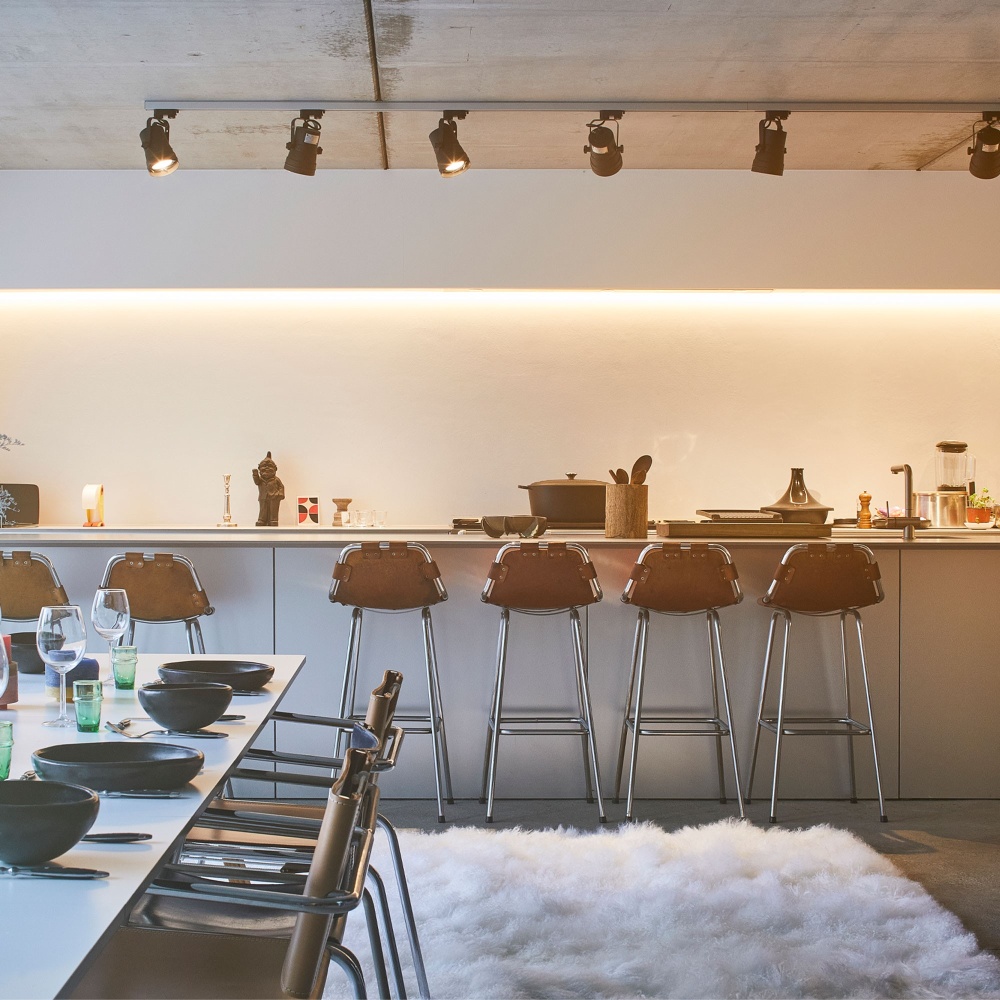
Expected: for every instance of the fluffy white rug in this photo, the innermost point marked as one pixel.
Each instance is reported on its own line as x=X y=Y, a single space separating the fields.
x=727 y=910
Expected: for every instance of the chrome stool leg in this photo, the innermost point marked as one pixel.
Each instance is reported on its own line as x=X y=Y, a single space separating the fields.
x=350 y=674
x=715 y=709
x=760 y=704
x=637 y=725
x=626 y=717
x=581 y=662
x=871 y=720
x=583 y=735
x=432 y=709
x=716 y=633
x=438 y=712
x=847 y=693
x=494 y=735
x=130 y=635
x=780 y=723
x=194 y=636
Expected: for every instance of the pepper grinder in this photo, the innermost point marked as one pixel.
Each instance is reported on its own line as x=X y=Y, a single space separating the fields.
x=865 y=514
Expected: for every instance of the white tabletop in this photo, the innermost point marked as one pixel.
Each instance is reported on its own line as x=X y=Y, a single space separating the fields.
x=51 y=926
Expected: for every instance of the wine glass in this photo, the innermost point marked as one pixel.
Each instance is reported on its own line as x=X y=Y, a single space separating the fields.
x=110 y=616
x=62 y=641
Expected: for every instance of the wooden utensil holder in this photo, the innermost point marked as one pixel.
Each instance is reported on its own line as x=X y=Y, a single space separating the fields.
x=626 y=511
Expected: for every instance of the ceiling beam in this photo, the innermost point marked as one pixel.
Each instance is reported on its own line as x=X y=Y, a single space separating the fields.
x=589 y=107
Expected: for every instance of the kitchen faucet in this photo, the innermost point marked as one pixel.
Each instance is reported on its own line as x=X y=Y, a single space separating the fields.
x=908 y=504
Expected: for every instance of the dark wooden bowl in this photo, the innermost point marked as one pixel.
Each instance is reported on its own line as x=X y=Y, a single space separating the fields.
x=187 y=706
x=39 y=820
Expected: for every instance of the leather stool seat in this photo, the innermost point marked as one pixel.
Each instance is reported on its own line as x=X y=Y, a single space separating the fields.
x=28 y=583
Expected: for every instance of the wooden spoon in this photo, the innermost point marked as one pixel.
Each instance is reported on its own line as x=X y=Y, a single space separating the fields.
x=621 y=477
x=639 y=470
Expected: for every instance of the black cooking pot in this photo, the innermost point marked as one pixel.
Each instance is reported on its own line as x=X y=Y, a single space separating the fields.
x=569 y=501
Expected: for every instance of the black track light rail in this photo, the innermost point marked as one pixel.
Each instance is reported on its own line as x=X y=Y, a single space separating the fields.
x=588 y=107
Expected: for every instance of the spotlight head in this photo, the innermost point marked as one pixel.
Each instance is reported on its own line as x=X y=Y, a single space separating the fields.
x=769 y=157
x=602 y=144
x=451 y=158
x=155 y=141
x=985 y=150
x=303 y=146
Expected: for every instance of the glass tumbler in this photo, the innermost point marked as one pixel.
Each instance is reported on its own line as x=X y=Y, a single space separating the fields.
x=87 y=698
x=6 y=748
x=123 y=663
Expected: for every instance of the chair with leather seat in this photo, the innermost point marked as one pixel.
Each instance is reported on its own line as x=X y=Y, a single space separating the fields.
x=28 y=583
x=679 y=579
x=819 y=580
x=542 y=578
x=162 y=588
x=219 y=931
x=395 y=578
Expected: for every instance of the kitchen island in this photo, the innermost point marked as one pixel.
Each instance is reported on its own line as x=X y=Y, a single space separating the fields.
x=932 y=647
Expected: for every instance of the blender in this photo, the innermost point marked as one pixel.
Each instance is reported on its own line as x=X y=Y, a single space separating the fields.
x=945 y=506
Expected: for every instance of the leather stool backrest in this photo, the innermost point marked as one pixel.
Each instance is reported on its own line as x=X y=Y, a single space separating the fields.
x=387 y=576
x=161 y=588
x=542 y=576
x=825 y=578
x=28 y=583
x=679 y=578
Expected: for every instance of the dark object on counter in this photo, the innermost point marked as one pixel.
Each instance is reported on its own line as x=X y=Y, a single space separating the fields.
x=18 y=505
x=520 y=524
x=24 y=650
x=39 y=820
x=116 y=767
x=240 y=675
x=270 y=491
x=184 y=706
x=900 y=522
x=798 y=504
x=568 y=501
x=739 y=516
x=745 y=529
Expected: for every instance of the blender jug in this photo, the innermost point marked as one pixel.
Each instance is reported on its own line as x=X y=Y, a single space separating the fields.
x=951 y=463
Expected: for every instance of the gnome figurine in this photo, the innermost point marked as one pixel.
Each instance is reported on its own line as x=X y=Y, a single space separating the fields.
x=270 y=491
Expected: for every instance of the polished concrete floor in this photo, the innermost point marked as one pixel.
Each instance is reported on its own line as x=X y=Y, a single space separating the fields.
x=951 y=847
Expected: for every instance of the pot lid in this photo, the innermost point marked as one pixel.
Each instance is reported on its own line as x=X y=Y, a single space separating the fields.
x=570 y=480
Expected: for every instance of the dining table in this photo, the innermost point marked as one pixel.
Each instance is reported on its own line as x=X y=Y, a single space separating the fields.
x=51 y=929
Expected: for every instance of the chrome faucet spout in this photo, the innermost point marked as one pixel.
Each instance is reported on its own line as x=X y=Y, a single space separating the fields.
x=908 y=503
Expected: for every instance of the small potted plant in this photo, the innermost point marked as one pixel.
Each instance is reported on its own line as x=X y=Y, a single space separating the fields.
x=979 y=510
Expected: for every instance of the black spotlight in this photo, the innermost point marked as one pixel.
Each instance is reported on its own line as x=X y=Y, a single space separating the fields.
x=155 y=140
x=985 y=149
x=304 y=147
x=451 y=158
x=605 y=153
x=770 y=151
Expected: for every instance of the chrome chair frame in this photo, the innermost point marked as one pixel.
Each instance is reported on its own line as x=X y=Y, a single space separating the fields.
x=783 y=725
x=192 y=627
x=498 y=724
x=431 y=724
x=675 y=725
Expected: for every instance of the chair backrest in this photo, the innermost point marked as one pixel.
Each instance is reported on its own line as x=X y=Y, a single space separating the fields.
x=387 y=576
x=542 y=576
x=28 y=583
x=304 y=971
x=161 y=586
x=824 y=578
x=680 y=578
x=382 y=703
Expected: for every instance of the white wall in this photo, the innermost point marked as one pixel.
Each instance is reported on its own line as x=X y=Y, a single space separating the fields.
x=438 y=403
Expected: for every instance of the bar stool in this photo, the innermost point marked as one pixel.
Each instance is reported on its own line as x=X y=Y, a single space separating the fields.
x=819 y=580
x=395 y=578
x=679 y=579
x=541 y=578
x=162 y=588
x=28 y=583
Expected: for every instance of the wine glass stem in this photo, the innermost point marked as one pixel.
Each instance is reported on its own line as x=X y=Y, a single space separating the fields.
x=62 y=696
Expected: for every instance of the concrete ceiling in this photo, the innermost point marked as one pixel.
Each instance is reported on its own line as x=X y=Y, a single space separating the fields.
x=74 y=75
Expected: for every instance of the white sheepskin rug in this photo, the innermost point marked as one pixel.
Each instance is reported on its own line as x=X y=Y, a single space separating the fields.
x=727 y=910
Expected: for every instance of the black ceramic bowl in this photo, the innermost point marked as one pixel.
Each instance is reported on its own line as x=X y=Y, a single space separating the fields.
x=240 y=675
x=39 y=820
x=185 y=706
x=117 y=767
x=24 y=650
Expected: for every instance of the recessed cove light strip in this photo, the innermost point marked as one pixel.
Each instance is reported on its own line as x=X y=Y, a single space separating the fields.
x=434 y=107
